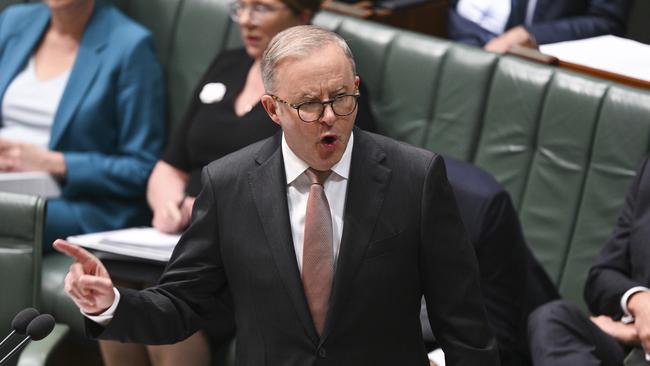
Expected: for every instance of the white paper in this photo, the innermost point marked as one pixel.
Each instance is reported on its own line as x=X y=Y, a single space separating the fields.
x=609 y=53
x=36 y=183
x=145 y=242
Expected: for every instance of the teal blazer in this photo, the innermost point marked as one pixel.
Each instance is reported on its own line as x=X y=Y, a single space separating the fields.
x=110 y=120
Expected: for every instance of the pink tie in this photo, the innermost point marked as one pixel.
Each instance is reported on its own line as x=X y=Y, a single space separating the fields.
x=317 y=261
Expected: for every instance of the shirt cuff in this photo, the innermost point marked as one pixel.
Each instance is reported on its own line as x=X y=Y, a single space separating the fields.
x=104 y=318
x=627 y=317
x=437 y=356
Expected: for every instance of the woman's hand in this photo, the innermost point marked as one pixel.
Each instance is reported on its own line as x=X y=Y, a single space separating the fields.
x=517 y=36
x=20 y=156
x=173 y=217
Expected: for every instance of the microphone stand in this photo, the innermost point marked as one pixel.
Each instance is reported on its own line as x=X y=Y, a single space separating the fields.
x=13 y=351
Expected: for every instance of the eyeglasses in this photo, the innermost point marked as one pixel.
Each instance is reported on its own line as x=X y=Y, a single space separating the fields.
x=311 y=111
x=256 y=11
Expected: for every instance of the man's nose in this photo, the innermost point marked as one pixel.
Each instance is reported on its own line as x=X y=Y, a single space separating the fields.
x=329 y=117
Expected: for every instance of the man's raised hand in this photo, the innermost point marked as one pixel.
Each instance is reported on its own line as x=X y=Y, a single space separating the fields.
x=87 y=282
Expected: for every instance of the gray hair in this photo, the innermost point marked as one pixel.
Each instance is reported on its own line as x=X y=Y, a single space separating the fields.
x=299 y=41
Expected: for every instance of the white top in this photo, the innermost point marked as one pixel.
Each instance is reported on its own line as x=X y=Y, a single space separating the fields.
x=492 y=15
x=298 y=184
x=29 y=106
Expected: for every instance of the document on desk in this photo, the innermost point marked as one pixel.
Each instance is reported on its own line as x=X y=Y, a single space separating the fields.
x=36 y=183
x=609 y=53
x=140 y=242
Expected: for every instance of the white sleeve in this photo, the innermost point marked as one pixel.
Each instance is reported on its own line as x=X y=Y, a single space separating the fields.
x=437 y=356
x=627 y=317
x=104 y=318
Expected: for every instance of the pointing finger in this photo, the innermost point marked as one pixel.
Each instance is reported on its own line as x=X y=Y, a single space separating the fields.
x=80 y=254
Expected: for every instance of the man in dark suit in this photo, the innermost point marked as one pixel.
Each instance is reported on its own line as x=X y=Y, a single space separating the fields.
x=326 y=237
x=513 y=282
x=498 y=26
x=616 y=293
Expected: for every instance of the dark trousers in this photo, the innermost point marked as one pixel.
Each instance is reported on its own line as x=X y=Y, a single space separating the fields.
x=561 y=334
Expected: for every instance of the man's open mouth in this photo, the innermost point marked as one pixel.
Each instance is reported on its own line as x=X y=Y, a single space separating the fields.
x=329 y=140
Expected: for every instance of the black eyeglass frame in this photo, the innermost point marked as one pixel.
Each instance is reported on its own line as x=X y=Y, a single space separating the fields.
x=323 y=103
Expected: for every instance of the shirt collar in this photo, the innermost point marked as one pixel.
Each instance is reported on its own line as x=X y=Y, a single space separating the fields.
x=294 y=166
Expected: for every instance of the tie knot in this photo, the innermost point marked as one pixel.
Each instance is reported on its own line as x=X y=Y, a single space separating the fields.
x=317 y=176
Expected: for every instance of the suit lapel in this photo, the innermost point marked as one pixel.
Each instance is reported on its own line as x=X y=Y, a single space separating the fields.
x=366 y=191
x=22 y=46
x=82 y=76
x=268 y=184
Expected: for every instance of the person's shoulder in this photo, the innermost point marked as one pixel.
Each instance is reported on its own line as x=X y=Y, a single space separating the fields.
x=121 y=29
x=471 y=178
x=242 y=160
x=19 y=16
x=234 y=55
x=229 y=61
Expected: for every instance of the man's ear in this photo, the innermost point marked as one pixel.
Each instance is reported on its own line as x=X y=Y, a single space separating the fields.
x=357 y=82
x=271 y=108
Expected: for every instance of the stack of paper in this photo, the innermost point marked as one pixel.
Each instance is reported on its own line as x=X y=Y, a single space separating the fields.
x=36 y=183
x=144 y=242
x=609 y=53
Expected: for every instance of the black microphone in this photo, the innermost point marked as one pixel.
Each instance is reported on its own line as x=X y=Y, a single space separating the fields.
x=37 y=329
x=20 y=323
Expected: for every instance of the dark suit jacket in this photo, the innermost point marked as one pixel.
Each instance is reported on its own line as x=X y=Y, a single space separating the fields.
x=512 y=280
x=402 y=238
x=553 y=21
x=624 y=262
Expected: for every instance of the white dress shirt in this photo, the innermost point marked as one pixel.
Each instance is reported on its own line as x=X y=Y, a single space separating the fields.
x=336 y=187
x=298 y=185
x=492 y=15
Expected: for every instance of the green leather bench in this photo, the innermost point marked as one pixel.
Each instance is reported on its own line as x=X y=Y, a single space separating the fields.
x=563 y=144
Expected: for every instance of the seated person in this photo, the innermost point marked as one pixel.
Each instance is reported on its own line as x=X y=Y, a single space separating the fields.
x=512 y=281
x=499 y=25
x=616 y=292
x=225 y=113
x=81 y=100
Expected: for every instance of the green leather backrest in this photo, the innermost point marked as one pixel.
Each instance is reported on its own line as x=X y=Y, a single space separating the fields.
x=159 y=19
x=621 y=140
x=21 y=235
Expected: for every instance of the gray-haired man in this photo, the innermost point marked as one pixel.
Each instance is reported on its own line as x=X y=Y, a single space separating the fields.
x=326 y=236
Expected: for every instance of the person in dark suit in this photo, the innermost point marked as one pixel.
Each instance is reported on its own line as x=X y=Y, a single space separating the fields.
x=322 y=270
x=498 y=26
x=616 y=292
x=512 y=280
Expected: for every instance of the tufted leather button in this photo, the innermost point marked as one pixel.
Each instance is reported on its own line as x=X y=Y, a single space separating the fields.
x=322 y=353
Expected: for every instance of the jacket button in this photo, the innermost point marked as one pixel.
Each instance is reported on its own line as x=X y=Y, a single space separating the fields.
x=322 y=353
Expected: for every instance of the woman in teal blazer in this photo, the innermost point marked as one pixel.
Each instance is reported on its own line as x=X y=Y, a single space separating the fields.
x=108 y=128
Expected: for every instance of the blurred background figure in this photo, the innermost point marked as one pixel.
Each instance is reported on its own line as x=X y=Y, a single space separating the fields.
x=81 y=99
x=499 y=25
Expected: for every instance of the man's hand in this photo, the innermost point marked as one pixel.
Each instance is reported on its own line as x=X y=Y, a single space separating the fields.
x=639 y=306
x=624 y=333
x=517 y=36
x=88 y=282
x=173 y=218
x=19 y=157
